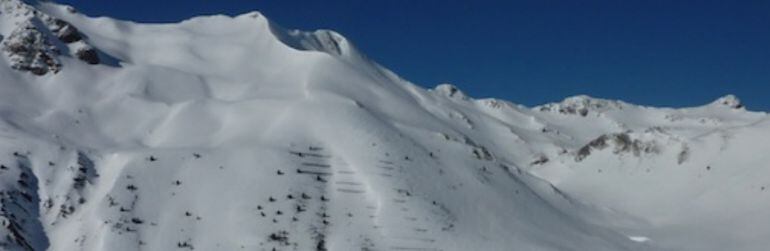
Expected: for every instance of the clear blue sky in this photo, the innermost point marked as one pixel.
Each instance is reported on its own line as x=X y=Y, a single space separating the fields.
x=656 y=52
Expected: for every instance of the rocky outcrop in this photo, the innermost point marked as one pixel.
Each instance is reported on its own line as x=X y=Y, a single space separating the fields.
x=621 y=143
x=20 y=227
x=28 y=49
x=88 y=55
x=38 y=39
x=581 y=105
x=730 y=101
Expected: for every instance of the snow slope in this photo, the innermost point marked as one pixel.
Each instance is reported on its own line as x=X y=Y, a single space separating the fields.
x=233 y=133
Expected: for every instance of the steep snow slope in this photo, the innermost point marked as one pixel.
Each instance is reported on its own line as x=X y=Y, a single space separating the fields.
x=232 y=133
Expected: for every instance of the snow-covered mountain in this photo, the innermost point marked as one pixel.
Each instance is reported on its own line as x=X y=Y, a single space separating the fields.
x=233 y=133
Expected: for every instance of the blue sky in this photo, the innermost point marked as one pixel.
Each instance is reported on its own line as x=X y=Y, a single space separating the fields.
x=656 y=52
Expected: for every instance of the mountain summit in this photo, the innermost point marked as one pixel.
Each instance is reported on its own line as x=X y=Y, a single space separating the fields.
x=233 y=133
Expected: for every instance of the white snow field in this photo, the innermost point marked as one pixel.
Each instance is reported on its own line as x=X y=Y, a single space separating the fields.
x=233 y=133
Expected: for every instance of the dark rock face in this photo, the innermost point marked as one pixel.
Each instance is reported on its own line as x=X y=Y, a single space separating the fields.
x=29 y=50
x=39 y=39
x=88 y=55
x=20 y=228
x=65 y=31
x=68 y=34
x=622 y=142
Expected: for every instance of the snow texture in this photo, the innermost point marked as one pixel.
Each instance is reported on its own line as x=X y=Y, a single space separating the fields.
x=233 y=133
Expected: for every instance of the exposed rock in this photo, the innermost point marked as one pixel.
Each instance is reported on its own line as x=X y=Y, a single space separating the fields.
x=65 y=31
x=542 y=159
x=450 y=91
x=28 y=49
x=39 y=39
x=622 y=142
x=683 y=155
x=88 y=55
x=19 y=210
x=581 y=105
x=730 y=101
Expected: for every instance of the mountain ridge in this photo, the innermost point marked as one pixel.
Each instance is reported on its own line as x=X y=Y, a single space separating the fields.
x=228 y=133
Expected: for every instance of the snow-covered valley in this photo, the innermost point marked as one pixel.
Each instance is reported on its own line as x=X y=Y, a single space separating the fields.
x=233 y=133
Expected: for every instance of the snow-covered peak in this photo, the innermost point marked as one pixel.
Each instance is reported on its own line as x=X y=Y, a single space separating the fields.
x=325 y=41
x=232 y=133
x=450 y=91
x=321 y=40
x=730 y=101
x=581 y=105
